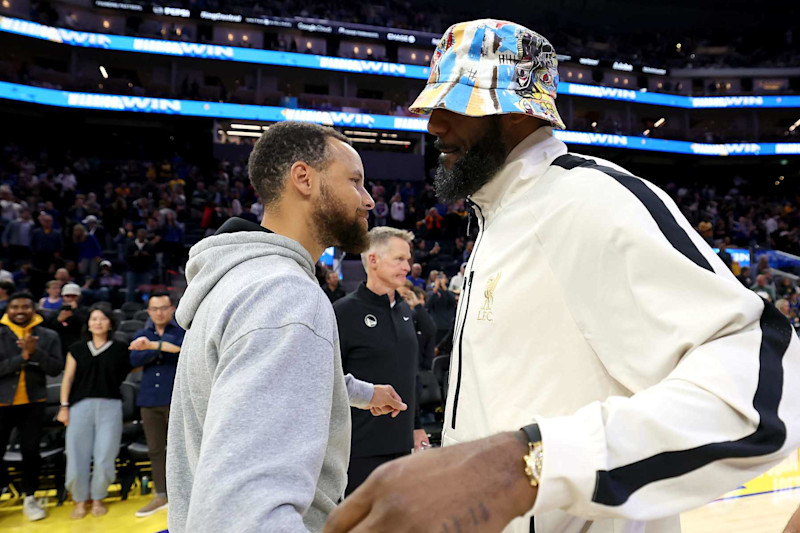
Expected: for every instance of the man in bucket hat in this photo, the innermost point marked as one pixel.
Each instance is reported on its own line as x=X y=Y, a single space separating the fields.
x=646 y=379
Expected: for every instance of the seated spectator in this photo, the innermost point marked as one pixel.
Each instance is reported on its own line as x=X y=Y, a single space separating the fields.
x=441 y=306
x=68 y=323
x=53 y=301
x=94 y=228
x=46 y=243
x=88 y=250
x=18 y=235
x=398 y=211
x=156 y=348
x=332 y=287
x=105 y=286
x=91 y=408
x=763 y=289
x=5 y=275
x=457 y=281
x=786 y=310
x=6 y=290
x=785 y=288
x=28 y=353
x=140 y=257
x=380 y=211
x=416 y=276
x=745 y=277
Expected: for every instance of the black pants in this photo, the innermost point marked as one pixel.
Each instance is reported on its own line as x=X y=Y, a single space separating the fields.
x=362 y=467
x=27 y=419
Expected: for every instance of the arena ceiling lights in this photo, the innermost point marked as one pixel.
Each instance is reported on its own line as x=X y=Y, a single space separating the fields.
x=358 y=66
x=379 y=123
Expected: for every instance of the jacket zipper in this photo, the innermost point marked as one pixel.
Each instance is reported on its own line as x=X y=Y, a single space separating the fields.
x=465 y=296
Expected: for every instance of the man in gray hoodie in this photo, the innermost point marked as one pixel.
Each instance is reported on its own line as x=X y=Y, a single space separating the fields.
x=259 y=429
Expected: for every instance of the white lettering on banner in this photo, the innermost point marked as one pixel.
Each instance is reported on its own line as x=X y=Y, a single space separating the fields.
x=314 y=27
x=588 y=61
x=727 y=101
x=787 y=148
x=183 y=49
x=329 y=118
x=725 y=149
x=579 y=137
x=123 y=103
x=618 y=65
x=220 y=16
x=402 y=37
x=361 y=65
x=411 y=124
x=602 y=92
x=359 y=33
x=172 y=11
x=58 y=35
x=651 y=70
x=269 y=22
x=118 y=5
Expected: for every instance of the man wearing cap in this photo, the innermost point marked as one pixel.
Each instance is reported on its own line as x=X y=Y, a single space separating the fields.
x=608 y=371
x=70 y=319
x=94 y=228
x=105 y=286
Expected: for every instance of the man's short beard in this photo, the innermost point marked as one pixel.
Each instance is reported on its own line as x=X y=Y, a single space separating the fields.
x=475 y=168
x=335 y=226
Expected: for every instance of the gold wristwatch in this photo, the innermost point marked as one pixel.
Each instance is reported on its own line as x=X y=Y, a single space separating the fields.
x=533 y=459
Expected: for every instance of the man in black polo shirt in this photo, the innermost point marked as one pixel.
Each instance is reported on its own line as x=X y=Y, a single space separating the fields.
x=379 y=342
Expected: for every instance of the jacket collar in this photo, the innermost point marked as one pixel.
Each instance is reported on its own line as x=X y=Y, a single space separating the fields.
x=382 y=300
x=524 y=165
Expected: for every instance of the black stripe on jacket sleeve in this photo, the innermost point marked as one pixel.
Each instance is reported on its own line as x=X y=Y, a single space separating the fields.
x=674 y=233
x=615 y=487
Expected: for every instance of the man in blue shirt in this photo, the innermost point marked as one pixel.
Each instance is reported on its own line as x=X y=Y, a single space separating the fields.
x=156 y=348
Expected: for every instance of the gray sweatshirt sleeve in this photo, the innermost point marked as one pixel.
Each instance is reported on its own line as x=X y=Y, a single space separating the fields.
x=359 y=392
x=265 y=432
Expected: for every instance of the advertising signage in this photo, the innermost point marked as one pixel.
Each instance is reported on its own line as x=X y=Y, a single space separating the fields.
x=139 y=104
x=297 y=23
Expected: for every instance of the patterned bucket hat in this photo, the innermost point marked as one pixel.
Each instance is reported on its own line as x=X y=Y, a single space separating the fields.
x=492 y=67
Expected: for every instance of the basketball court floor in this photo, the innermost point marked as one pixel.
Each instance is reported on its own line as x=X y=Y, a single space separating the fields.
x=763 y=505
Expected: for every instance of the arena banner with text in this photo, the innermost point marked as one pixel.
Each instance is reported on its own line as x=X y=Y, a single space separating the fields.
x=143 y=104
x=124 y=43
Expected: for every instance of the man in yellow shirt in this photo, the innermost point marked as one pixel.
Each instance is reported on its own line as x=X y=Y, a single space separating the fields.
x=28 y=352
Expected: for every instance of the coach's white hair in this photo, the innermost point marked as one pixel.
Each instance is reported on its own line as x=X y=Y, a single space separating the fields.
x=379 y=238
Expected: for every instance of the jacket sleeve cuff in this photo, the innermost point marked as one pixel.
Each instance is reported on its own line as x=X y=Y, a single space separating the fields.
x=359 y=392
x=574 y=451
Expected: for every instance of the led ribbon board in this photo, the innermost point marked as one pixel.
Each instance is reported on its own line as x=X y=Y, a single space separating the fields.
x=140 y=104
x=124 y=43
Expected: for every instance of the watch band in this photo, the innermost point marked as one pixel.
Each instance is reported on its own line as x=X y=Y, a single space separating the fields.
x=534 y=459
x=533 y=433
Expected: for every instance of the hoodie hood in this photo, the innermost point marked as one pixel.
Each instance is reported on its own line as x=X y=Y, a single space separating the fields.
x=213 y=257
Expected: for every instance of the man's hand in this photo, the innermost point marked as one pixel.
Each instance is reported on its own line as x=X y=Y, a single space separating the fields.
x=481 y=487
x=141 y=343
x=385 y=400
x=63 y=316
x=794 y=523
x=28 y=345
x=421 y=440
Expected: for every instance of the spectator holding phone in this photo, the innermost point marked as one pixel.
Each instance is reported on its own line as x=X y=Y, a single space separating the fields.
x=71 y=317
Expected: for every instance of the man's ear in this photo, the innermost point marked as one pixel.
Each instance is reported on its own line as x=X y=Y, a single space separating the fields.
x=301 y=179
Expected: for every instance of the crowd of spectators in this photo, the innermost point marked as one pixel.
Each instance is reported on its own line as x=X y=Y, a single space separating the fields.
x=703 y=48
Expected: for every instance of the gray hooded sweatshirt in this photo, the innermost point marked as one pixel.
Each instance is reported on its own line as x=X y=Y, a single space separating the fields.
x=259 y=429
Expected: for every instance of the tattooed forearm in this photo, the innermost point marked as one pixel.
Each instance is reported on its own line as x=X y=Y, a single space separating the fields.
x=474 y=518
